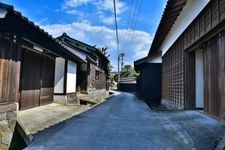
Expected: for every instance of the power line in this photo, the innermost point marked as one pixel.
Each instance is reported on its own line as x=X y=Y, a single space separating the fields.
x=138 y=13
x=130 y=18
x=131 y=26
x=130 y=14
x=134 y=20
x=128 y=22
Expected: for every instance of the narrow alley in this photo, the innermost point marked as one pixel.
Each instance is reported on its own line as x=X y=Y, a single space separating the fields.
x=125 y=122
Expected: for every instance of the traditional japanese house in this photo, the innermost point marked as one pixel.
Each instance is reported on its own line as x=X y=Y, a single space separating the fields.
x=191 y=37
x=150 y=79
x=28 y=57
x=94 y=73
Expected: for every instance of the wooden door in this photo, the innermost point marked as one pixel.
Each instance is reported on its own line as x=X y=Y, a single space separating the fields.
x=47 y=80
x=30 y=80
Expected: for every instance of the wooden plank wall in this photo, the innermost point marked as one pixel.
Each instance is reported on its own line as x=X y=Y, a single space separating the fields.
x=189 y=78
x=47 y=80
x=211 y=16
x=10 y=54
x=176 y=70
x=214 y=77
x=172 y=76
x=92 y=82
x=101 y=82
x=149 y=82
x=221 y=75
x=30 y=79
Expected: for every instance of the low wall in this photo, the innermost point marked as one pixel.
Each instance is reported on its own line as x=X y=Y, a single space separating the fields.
x=98 y=94
x=69 y=98
x=8 y=115
x=127 y=87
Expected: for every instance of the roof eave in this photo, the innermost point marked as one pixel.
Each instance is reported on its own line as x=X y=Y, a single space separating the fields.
x=172 y=11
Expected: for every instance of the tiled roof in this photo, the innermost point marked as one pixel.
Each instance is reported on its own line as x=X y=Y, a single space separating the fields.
x=10 y=8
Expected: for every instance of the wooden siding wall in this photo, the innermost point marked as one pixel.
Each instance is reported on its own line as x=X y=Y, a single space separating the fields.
x=176 y=62
x=214 y=77
x=212 y=15
x=30 y=79
x=101 y=82
x=82 y=76
x=37 y=79
x=10 y=54
x=172 y=76
x=92 y=82
x=47 y=80
x=149 y=83
x=189 y=80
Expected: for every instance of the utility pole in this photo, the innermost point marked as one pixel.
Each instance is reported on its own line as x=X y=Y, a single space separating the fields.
x=118 y=68
x=122 y=60
x=117 y=40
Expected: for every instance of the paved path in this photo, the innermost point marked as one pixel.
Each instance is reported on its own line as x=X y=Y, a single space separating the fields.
x=126 y=123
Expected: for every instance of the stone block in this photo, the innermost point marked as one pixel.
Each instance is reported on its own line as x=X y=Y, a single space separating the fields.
x=10 y=115
x=6 y=137
x=3 y=126
x=2 y=116
x=72 y=99
x=3 y=147
x=12 y=124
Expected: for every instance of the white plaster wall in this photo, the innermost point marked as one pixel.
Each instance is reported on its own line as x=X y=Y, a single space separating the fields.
x=199 y=82
x=59 y=75
x=71 y=77
x=156 y=60
x=188 y=14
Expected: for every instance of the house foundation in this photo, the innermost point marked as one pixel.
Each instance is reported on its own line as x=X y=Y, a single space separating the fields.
x=8 y=115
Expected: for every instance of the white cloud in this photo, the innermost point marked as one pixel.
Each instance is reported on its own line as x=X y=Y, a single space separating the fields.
x=75 y=3
x=75 y=12
x=136 y=48
x=108 y=20
x=107 y=5
x=104 y=9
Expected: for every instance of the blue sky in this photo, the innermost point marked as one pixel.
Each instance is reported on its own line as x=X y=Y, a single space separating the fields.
x=92 y=22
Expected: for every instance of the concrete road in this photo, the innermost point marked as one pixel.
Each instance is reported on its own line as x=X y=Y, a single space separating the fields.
x=126 y=123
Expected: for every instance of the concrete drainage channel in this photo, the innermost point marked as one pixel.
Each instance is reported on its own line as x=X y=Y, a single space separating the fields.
x=26 y=127
x=19 y=140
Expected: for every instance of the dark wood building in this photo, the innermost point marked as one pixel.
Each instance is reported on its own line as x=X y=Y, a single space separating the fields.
x=192 y=40
x=27 y=68
x=150 y=79
x=27 y=61
x=94 y=72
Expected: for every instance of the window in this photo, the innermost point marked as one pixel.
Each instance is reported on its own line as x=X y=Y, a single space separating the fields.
x=97 y=75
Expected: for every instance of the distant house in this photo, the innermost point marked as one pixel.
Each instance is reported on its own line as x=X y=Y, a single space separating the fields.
x=150 y=79
x=93 y=74
x=191 y=38
x=28 y=77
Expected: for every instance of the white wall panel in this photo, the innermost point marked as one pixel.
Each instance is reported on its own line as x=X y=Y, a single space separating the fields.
x=199 y=83
x=59 y=75
x=71 y=77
